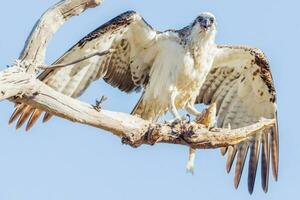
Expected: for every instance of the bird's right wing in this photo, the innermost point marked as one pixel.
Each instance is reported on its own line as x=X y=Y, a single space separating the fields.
x=126 y=68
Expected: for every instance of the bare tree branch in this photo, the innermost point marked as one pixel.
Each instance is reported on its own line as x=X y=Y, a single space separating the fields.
x=15 y=82
x=136 y=131
x=19 y=84
x=37 y=43
x=133 y=130
x=33 y=54
x=44 y=67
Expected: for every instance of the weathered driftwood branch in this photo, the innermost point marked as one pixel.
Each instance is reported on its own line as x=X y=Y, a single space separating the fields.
x=33 y=54
x=57 y=66
x=15 y=82
x=37 y=43
x=133 y=130
x=19 y=84
x=194 y=135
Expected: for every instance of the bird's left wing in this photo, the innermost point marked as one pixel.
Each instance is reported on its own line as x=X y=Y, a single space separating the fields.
x=241 y=85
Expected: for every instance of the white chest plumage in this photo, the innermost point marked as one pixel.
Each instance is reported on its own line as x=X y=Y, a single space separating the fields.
x=176 y=71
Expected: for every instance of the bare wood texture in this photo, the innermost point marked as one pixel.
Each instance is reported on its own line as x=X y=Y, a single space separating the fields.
x=37 y=43
x=15 y=82
x=133 y=130
x=136 y=131
x=57 y=66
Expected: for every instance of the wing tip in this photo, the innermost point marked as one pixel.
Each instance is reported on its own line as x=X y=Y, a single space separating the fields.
x=275 y=151
x=253 y=163
x=24 y=116
x=265 y=162
x=241 y=158
x=17 y=112
x=33 y=119
x=223 y=151
x=46 y=117
x=231 y=153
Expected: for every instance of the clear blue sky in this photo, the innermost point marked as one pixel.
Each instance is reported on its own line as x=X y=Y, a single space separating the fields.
x=66 y=161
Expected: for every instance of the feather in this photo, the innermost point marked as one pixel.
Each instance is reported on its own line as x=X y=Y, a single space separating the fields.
x=242 y=153
x=275 y=151
x=231 y=152
x=24 y=116
x=254 y=99
x=253 y=161
x=18 y=111
x=47 y=117
x=73 y=80
x=33 y=118
x=223 y=150
x=265 y=162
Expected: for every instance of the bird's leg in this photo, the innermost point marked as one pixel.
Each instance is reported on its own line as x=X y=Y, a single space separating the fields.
x=192 y=152
x=99 y=103
x=191 y=162
x=172 y=107
x=190 y=108
x=207 y=117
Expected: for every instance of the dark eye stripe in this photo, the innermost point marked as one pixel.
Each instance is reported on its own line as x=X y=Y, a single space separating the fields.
x=200 y=18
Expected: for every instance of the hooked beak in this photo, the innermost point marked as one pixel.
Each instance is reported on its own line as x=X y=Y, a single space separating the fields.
x=205 y=24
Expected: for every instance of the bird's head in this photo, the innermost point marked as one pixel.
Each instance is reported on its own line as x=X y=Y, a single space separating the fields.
x=205 y=23
x=204 y=27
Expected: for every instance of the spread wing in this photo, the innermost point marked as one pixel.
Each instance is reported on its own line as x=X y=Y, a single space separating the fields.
x=241 y=84
x=126 y=68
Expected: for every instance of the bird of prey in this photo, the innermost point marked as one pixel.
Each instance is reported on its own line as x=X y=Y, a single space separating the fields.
x=176 y=70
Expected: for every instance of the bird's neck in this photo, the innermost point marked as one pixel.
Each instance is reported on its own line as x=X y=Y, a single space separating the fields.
x=201 y=41
x=202 y=48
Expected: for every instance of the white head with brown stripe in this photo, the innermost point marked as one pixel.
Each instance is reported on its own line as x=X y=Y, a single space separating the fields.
x=203 y=29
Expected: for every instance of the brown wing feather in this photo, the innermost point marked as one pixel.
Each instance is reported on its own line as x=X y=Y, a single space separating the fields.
x=118 y=69
x=275 y=150
x=223 y=150
x=24 y=116
x=33 y=118
x=241 y=85
x=17 y=112
x=47 y=117
x=241 y=157
x=114 y=69
x=265 y=163
x=253 y=161
x=231 y=152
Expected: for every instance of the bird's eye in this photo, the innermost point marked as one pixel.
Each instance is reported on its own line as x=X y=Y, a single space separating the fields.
x=200 y=19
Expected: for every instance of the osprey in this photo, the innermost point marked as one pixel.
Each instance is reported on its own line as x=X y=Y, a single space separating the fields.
x=177 y=69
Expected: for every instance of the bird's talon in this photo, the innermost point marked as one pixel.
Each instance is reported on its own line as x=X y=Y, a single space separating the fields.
x=99 y=103
x=188 y=116
x=97 y=108
x=175 y=121
x=149 y=138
